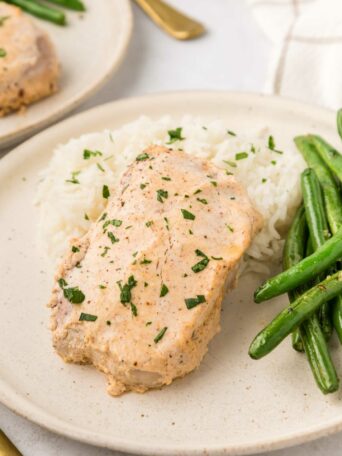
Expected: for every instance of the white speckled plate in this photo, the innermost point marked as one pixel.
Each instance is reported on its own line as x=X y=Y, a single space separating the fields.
x=231 y=404
x=90 y=49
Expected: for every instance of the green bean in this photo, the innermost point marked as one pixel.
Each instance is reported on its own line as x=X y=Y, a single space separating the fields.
x=306 y=270
x=331 y=194
x=333 y=205
x=337 y=316
x=318 y=355
x=290 y=318
x=318 y=228
x=329 y=155
x=40 y=10
x=339 y=122
x=294 y=251
x=75 y=5
x=314 y=208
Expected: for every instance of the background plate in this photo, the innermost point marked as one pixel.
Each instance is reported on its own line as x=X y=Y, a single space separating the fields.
x=90 y=48
x=230 y=404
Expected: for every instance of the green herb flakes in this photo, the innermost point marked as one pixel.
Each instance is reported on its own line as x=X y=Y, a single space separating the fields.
x=87 y=154
x=105 y=192
x=86 y=216
x=116 y=222
x=148 y=323
x=102 y=287
x=126 y=290
x=134 y=310
x=202 y=200
x=62 y=283
x=103 y=217
x=241 y=155
x=105 y=251
x=197 y=191
x=161 y=195
x=142 y=157
x=112 y=237
x=75 y=249
x=201 y=265
x=272 y=146
x=100 y=167
x=160 y=335
x=3 y=19
x=193 y=302
x=188 y=215
x=231 y=133
x=216 y=258
x=73 y=179
x=87 y=317
x=149 y=223
x=3 y=53
x=230 y=228
x=166 y=178
x=175 y=135
x=145 y=261
x=74 y=295
x=142 y=186
x=164 y=290
x=230 y=163
x=263 y=180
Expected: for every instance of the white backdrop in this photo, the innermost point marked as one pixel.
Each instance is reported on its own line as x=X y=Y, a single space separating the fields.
x=234 y=55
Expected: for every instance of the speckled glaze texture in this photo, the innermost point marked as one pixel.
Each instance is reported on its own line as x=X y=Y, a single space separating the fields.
x=229 y=405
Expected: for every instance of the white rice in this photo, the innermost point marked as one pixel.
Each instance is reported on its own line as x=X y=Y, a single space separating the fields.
x=271 y=179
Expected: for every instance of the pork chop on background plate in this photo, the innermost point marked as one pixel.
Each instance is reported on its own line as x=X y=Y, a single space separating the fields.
x=139 y=296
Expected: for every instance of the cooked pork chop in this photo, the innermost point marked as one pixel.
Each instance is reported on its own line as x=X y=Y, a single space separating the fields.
x=139 y=296
x=29 y=68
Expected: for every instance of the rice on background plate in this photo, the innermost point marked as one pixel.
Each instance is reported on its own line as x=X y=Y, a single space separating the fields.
x=70 y=194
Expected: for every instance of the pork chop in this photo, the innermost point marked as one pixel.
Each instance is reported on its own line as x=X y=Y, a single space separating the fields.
x=139 y=296
x=29 y=68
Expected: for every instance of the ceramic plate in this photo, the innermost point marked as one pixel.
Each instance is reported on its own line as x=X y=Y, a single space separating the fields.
x=90 y=48
x=231 y=404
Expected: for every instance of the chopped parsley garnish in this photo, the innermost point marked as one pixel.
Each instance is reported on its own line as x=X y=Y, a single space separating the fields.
x=126 y=290
x=112 y=237
x=167 y=223
x=230 y=163
x=142 y=157
x=103 y=217
x=74 y=249
x=148 y=323
x=273 y=162
x=164 y=290
x=272 y=146
x=128 y=227
x=105 y=251
x=87 y=317
x=134 y=254
x=216 y=258
x=3 y=53
x=241 y=155
x=86 y=216
x=100 y=167
x=230 y=228
x=263 y=180
x=253 y=150
x=191 y=232
x=102 y=287
x=149 y=223
x=145 y=261
x=175 y=135
x=74 y=295
x=145 y=284
x=108 y=322
x=134 y=310
x=162 y=194
x=202 y=200
x=231 y=133
x=188 y=215
x=142 y=186
x=3 y=19
x=166 y=178
x=193 y=302
x=198 y=267
x=160 y=335
x=105 y=192
x=214 y=183
x=205 y=128
x=87 y=154
x=73 y=179
x=116 y=222
x=197 y=191
x=62 y=283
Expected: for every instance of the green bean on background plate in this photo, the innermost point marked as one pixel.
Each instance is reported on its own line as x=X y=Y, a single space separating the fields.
x=75 y=5
x=339 y=122
x=303 y=272
x=291 y=317
x=40 y=10
x=331 y=157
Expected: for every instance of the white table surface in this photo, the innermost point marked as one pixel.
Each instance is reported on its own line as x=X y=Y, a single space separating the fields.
x=232 y=56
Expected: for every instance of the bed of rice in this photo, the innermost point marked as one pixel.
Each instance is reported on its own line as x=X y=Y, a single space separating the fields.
x=271 y=178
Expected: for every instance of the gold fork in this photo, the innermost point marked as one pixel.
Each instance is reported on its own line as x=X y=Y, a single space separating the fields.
x=172 y=21
x=6 y=446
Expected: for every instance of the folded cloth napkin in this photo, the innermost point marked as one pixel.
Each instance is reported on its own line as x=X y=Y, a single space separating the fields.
x=306 y=61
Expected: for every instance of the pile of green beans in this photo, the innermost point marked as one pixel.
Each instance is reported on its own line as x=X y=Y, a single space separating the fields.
x=39 y=9
x=312 y=268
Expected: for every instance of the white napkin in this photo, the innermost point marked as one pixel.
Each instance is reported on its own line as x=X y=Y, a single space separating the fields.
x=306 y=60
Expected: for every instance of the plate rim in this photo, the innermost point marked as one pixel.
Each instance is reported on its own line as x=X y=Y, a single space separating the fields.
x=25 y=408
x=11 y=138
